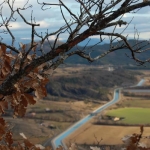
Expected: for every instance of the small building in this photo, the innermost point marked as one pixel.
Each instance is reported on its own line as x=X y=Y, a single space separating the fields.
x=116 y=119
x=47 y=109
x=110 y=68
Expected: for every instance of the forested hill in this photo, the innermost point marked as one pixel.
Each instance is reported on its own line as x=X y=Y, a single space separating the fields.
x=89 y=83
x=119 y=57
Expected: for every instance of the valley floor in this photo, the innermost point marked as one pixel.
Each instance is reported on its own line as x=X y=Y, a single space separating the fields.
x=112 y=135
x=104 y=135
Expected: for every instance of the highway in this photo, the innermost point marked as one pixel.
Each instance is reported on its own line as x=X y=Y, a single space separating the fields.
x=58 y=139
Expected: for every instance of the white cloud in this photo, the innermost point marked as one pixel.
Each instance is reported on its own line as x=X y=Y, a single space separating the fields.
x=143 y=35
x=52 y=20
x=15 y=25
x=43 y=23
x=53 y=37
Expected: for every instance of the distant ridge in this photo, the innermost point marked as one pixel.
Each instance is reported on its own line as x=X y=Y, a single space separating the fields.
x=119 y=57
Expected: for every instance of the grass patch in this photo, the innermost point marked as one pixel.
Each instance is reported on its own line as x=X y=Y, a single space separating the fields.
x=131 y=115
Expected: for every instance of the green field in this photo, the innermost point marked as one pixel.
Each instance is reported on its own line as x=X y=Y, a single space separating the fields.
x=132 y=115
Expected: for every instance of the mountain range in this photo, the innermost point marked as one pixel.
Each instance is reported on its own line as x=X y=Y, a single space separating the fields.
x=118 y=57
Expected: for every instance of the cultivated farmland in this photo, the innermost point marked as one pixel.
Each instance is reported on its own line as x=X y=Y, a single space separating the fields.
x=131 y=115
x=134 y=110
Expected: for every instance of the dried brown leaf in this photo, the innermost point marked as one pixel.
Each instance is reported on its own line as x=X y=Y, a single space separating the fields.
x=17 y=96
x=23 y=46
x=20 y=55
x=40 y=77
x=45 y=81
x=44 y=91
x=19 y=110
x=30 y=99
x=2 y=75
x=17 y=64
x=28 y=144
x=11 y=56
x=7 y=66
x=8 y=59
x=8 y=138
x=3 y=106
x=28 y=84
x=1 y=52
x=3 y=48
x=36 y=70
x=17 y=87
x=35 y=45
x=40 y=92
x=2 y=131
x=33 y=56
x=2 y=121
x=29 y=57
x=35 y=85
x=23 y=101
x=1 y=96
x=4 y=72
x=8 y=98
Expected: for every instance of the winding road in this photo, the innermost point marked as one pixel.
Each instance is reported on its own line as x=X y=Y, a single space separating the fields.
x=58 y=140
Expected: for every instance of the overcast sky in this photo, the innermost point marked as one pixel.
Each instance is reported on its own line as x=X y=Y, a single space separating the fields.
x=52 y=20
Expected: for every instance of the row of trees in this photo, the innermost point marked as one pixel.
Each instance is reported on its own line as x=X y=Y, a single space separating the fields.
x=23 y=73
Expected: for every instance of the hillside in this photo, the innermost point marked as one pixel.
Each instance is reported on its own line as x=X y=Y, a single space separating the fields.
x=73 y=92
x=118 y=57
x=88 y=83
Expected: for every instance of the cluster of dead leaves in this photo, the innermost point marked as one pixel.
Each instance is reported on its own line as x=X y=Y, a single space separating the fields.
x=132 y=142
x=21 y=97
x=6 y=140
x=27 y=90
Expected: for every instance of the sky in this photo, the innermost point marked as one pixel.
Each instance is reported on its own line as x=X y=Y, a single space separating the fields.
x=51 y=20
